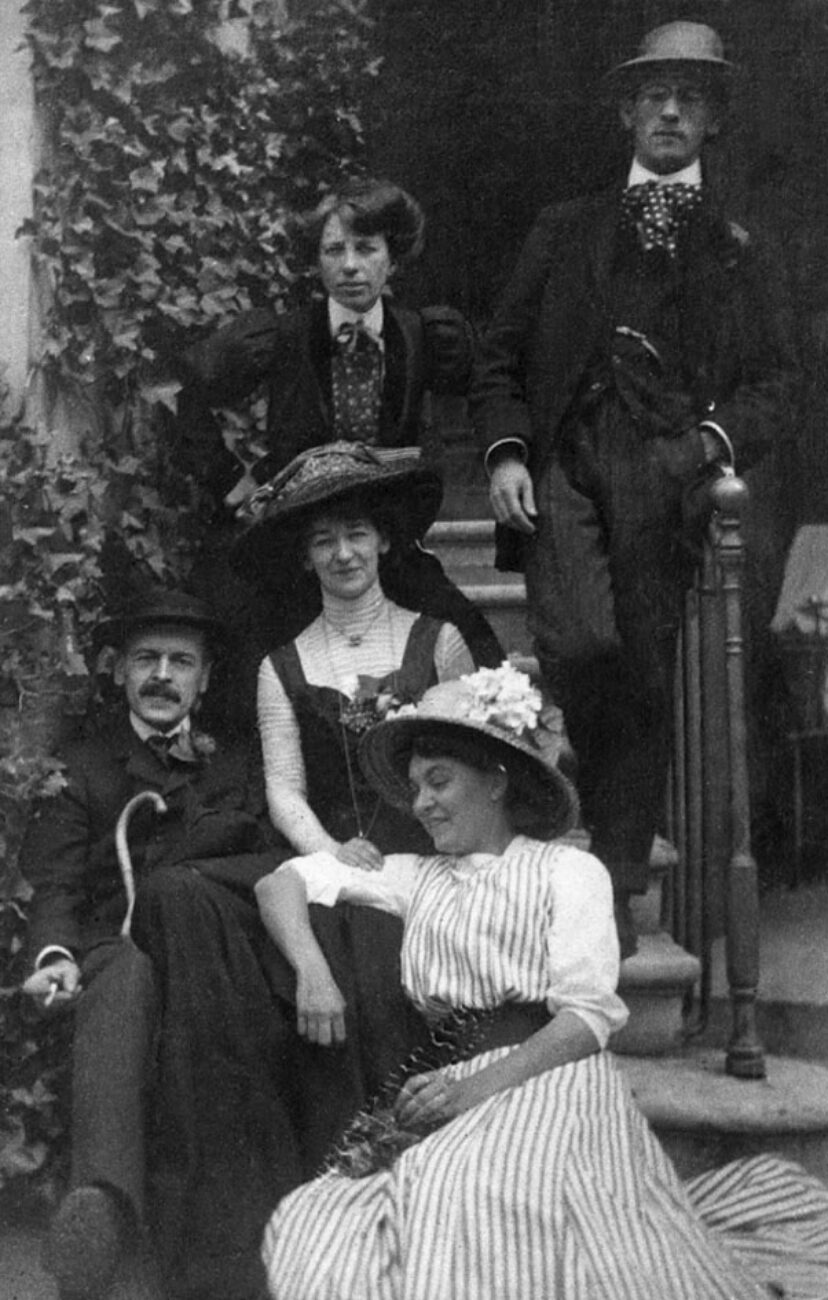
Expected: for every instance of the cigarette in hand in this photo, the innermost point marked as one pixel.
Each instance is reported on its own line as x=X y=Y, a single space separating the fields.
x=54 y=986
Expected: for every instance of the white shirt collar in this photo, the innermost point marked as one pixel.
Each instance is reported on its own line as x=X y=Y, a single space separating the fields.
x=640 y=175
x=372 y=320
x=143 y=729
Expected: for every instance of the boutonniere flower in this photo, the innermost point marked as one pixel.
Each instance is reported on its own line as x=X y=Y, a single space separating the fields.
x=203 y=745
x=735 y=240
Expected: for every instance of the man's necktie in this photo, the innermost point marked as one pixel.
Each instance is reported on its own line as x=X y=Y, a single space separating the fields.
x=160 y=744
x=356 y=383
x=170 y=749
x=660 y=212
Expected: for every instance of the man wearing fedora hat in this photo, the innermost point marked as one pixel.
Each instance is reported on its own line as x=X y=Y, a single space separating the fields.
x=198 y=844
x=643 y=344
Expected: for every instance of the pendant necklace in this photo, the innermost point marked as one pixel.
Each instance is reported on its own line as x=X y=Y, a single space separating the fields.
x=354 y=639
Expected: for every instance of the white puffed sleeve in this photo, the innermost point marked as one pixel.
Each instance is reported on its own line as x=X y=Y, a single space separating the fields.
x=328 y=881
x=279 y=732
x=582 y=942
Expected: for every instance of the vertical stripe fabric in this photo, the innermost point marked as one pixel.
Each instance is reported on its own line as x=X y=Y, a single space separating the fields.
x=554 y=1190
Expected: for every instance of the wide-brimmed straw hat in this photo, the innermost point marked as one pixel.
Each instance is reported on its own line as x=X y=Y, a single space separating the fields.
x=497 y=707
x=683 y=46
x=156 y=607
x=393 y=478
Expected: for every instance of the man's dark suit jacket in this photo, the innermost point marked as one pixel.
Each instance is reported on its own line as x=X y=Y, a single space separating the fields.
x=740 y=356
x=429 y=350
x=216 y=822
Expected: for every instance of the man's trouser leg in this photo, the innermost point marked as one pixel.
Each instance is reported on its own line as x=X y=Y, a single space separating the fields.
x=115 y=1022
x=605 y=586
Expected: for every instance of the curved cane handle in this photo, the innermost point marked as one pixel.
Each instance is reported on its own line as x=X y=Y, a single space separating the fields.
x=122 y=846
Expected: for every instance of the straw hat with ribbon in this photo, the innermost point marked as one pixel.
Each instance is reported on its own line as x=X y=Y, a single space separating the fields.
x=496 y=707
x=394 y=479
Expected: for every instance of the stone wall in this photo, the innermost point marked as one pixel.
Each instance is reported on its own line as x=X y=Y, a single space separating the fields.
x=18 y=151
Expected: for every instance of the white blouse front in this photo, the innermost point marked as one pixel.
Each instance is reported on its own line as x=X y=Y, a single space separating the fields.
x=532 y=924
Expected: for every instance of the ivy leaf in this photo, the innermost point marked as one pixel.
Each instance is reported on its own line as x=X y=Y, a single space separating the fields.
x=148 y=177
x=163 y=394
x=99 y=36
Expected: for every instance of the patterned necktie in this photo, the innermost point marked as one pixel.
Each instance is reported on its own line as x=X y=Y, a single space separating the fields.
x=660 y=212
x=356 y=383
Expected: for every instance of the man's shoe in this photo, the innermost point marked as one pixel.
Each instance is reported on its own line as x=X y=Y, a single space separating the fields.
x=625 y=925
x=87 y=1240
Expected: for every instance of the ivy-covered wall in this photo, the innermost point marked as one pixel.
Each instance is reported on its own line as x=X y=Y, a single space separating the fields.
x=176 y=137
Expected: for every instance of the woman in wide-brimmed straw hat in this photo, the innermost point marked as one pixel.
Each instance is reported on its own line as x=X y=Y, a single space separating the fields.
x=518 y=1166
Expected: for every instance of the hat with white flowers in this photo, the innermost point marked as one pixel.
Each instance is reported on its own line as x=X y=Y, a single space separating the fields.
x=494 y=711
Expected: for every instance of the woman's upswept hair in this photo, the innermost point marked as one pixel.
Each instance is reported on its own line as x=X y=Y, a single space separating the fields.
x=368 y=207
x=525 y=815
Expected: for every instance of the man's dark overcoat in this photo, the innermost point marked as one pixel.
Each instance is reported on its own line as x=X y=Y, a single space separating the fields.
x=740 y=357
x=604 y=360
x=187 y=1068
x=216 y=821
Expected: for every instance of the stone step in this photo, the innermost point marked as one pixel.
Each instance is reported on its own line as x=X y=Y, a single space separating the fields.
x=783 y=1027
x=462 y=542
x=466 y=549
x=655 y=983
x=705 y=1118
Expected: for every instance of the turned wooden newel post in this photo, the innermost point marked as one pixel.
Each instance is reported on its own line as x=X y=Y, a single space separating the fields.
x=745 y=1057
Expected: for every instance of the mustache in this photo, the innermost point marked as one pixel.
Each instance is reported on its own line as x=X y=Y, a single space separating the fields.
x=159 y=692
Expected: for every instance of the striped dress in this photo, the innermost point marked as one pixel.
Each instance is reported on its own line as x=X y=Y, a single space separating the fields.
x=555 y=1189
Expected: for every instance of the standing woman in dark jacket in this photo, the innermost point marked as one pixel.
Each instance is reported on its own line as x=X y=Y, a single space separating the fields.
x=350 y=365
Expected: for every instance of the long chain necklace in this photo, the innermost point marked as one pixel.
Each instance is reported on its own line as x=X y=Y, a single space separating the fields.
x=354 y=640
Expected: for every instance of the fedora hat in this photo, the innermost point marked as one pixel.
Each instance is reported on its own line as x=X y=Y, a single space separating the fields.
x=498 y=709
x=691 y=46
x=394 y=478
x=156 y=607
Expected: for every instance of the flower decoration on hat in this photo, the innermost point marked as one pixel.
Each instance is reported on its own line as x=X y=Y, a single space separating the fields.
x=503 y=698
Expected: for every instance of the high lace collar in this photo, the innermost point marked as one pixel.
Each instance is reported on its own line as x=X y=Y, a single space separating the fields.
x=357 y=615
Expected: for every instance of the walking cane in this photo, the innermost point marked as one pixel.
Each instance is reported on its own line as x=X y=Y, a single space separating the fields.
x=122 y=847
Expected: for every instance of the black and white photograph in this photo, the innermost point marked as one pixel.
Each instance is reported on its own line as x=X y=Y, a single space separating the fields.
x=414 y=650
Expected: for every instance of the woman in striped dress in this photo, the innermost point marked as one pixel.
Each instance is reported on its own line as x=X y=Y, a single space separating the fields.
x=526 y=1171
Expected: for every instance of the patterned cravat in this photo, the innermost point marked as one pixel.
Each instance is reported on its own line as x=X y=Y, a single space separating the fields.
x=660 y=212
x=356 y=383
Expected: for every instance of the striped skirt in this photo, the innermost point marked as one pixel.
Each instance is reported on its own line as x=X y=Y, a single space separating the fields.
x=553 y=1190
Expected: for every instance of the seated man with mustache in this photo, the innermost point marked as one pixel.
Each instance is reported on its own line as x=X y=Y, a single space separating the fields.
x=144 y=1092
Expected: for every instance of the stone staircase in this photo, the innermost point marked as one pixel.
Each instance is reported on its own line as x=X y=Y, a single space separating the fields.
x=703 y=1116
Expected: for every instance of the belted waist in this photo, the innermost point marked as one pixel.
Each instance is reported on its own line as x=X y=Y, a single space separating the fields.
x=468 y=1031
